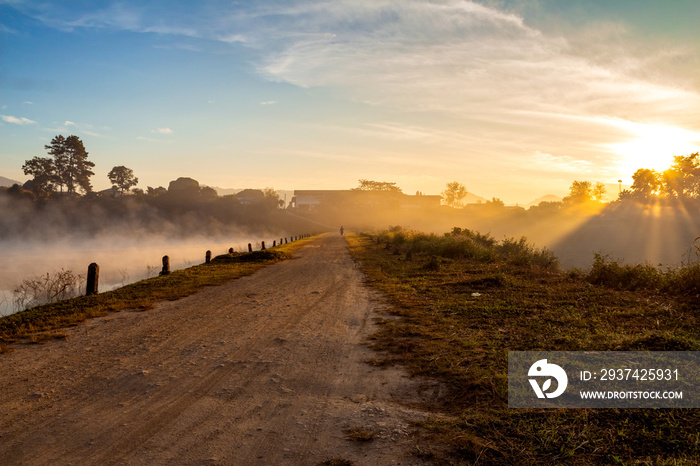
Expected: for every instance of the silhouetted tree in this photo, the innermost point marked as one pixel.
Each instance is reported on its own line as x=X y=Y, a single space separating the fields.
x=579 y=192
x=207 y=192
x=154 y=192
x=184 y=185
x=263 y=200
x=44 y=173
x=495 y=202
x=250 y=196
x=19 y=192
x=368 y=185
x=646 y=184
x=272 y=198
x=599 y=191
x=682 y=180
x=454 y=193
x=122 y=178
x=72 y=168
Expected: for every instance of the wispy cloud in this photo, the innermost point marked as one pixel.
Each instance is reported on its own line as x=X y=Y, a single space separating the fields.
x=460 y=57
x=540 y=161
x=465 y=65
x=462 y=81
x=86 y=129
x=7 y=30
x=17 y=121
x=232 y=38
x=117 y=16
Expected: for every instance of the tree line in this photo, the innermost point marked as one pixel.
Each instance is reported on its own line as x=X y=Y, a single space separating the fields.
x=680 y=181
x=68 y=167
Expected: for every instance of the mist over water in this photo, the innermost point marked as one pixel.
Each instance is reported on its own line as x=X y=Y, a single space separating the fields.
x=128 y=236
x=122 y=259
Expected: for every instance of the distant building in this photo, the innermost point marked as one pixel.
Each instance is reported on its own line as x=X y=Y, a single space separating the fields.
x=109 y=192
x=310 y=199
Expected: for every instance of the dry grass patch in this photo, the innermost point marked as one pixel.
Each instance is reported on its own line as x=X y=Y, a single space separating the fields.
x=359 y=434
x=460 y=313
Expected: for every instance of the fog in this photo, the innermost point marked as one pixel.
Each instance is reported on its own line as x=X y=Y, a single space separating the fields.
x=122 y=259
x=659 y=234
x=127 y=237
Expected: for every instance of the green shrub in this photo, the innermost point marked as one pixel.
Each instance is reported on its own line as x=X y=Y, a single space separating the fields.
x=467 y=244
x=684 y=280
x=612 y=274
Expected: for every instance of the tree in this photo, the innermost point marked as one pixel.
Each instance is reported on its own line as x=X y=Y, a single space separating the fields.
x=646 y=184
x=495 y=202
x=267 y=198
x=184 y=186
x=206 y=192
x=250 y=196
x=454 y=193
x=44 y=173
x=272 y=198
x=72 y=168
x=599 y=191
x=155 y=192
x=682 y=180
x=122 y=178
x=56 y=150
x=579 y=192
x=368 y=185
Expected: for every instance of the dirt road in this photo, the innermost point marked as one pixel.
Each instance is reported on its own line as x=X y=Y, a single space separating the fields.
x=267 y=369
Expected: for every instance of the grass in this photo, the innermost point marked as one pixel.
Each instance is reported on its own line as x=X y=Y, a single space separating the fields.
x=682 y=281
x=448 y=332
x=38 y=324
x=358 y=434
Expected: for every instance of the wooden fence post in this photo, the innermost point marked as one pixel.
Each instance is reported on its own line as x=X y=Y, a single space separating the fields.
x=166 y=266
x=285 y=241
x=93 y=277
x=250 y=247
x=274 y=243
x=263 y=245
x=207 y=257
x=230 y=250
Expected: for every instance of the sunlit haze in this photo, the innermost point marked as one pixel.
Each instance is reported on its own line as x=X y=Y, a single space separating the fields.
x=514 y=99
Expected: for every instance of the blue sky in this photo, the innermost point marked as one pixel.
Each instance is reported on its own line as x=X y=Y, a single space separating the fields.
x=514 y=99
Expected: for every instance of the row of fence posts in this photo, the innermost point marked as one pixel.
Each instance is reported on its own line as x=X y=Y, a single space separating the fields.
x=93 y=274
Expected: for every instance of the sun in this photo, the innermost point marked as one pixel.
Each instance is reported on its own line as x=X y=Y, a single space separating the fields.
x=653 y=147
